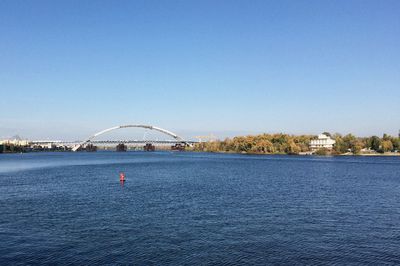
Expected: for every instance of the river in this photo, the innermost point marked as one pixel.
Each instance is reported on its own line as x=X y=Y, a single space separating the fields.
x=181 y=208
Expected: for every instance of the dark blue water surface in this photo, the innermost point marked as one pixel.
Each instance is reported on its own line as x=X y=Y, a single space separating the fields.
x=198 y=208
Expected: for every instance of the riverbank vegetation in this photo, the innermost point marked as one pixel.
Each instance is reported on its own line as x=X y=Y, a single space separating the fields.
x=10 y=148
x=292 y=144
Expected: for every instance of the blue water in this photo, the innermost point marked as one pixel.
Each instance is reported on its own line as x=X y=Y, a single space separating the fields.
x=198 y=208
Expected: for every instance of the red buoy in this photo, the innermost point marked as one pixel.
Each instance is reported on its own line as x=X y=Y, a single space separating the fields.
x=121 y=177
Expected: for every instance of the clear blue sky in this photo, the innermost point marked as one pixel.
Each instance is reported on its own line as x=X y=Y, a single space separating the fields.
x=70 y=68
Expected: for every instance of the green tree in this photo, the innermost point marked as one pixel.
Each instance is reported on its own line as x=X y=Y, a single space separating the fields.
x=327 y=134
x=386 y=137
x=322 y=152
x=396 y=143
x=374 y=143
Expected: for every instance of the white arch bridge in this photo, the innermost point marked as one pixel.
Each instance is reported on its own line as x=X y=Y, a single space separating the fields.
x=176 y=139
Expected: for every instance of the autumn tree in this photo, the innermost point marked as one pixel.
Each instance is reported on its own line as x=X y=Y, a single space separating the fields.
x=387 y=146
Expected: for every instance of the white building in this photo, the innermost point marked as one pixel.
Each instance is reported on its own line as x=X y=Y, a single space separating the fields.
x=323 y=141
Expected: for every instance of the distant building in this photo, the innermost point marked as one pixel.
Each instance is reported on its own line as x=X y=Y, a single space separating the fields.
x=16 y=142
x=323 y=141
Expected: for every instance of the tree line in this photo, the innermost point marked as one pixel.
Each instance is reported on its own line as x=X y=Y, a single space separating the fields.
x=295 y=144
x=10 y=148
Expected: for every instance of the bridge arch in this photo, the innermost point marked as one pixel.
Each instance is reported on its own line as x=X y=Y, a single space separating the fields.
x=164 y=131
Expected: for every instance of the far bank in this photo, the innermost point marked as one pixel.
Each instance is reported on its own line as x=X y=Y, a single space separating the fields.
x=323 y=144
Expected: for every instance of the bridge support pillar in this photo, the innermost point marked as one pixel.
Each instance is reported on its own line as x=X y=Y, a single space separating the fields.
x=91 y=148
x=178 y=147
x=149 y=147
x=121 y=147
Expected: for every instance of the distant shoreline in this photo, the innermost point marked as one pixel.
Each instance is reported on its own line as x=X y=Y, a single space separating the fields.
x=305 y=155
x=321 y=145
x=388 y=154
